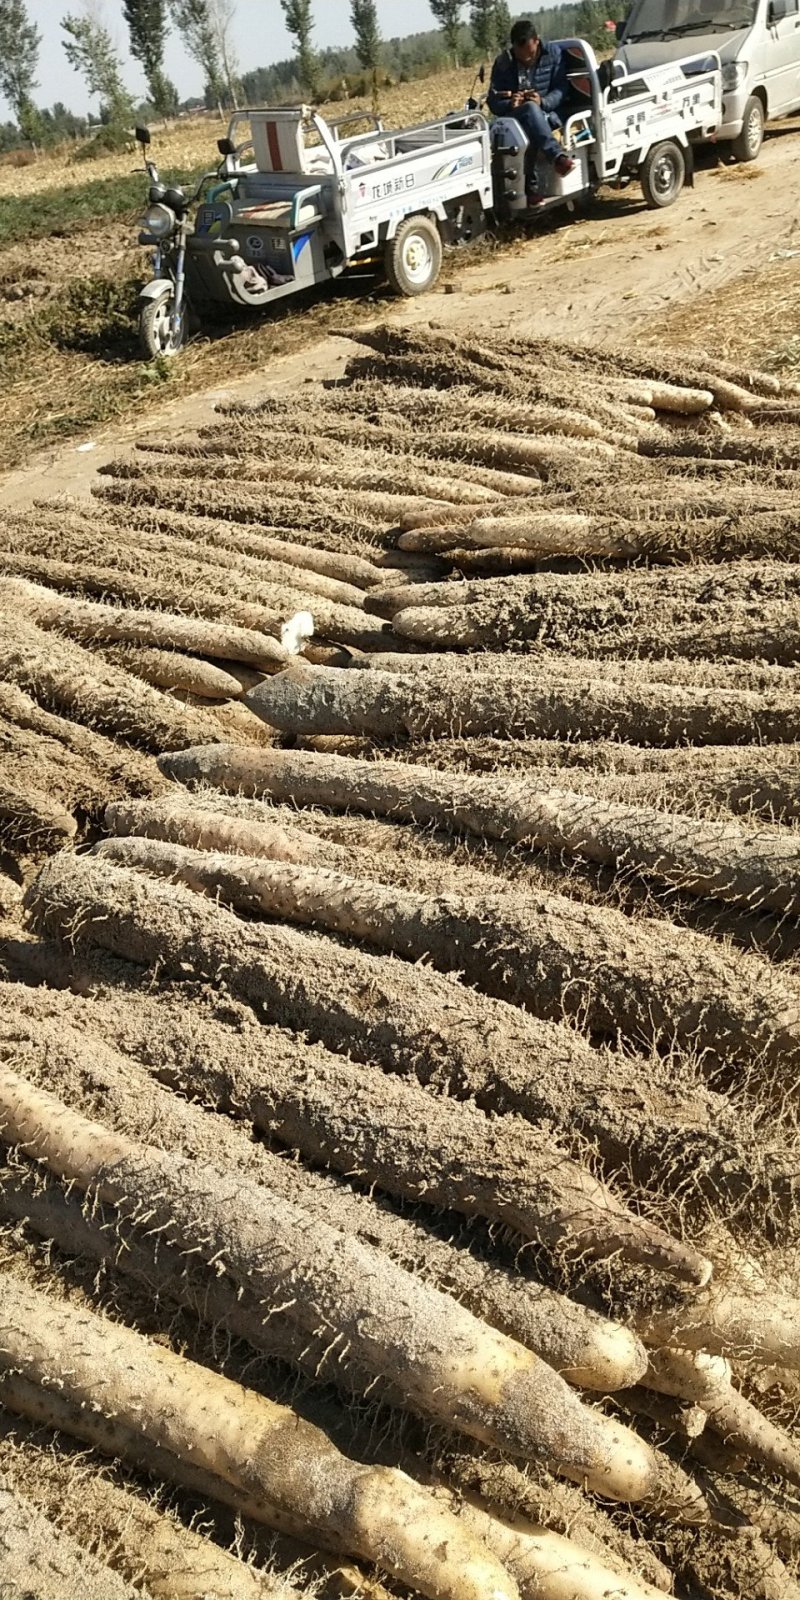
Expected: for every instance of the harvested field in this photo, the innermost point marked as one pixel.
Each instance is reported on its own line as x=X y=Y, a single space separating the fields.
x=400 y=1148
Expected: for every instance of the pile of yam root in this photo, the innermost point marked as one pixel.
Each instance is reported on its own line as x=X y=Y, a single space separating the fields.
x=400 y=993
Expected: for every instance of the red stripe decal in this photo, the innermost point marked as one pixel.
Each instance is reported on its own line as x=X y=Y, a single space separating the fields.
x=274 y=147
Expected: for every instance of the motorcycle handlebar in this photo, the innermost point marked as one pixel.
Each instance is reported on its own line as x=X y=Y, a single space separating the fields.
x=206 y=178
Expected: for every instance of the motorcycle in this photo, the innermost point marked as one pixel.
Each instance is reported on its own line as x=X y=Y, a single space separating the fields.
x=165 y=226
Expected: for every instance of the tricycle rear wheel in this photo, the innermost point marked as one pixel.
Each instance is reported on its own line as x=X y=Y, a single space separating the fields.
x=414 y=256
x=156 y=333
x=663 y=174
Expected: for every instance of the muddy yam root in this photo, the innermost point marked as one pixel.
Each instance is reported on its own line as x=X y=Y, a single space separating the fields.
x=271 y=969
x=516 y=704
x=39 y=1562
x=91 y=623
x=552 y=954
x=261 y=1449
x=449 y=1363
x=140 y=1541
x=228 y=1065
x=70 y=680
x=724 y=861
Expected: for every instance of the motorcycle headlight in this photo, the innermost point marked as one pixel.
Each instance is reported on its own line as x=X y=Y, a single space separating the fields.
x=159 y=221
x=734 y=74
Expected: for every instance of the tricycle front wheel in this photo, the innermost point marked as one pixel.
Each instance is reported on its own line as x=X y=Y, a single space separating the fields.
x=157 y=334
x=663 y=174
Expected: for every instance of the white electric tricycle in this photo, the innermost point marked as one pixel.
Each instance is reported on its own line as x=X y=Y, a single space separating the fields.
x=299 y=200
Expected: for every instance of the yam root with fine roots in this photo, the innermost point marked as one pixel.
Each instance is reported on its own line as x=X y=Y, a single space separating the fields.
x=709 y=859
x=179 y=819
x=484 y=1384
x=749 y=1315
x=228 y=1068
x=147 y=575
x=394 y=1134
x=365 y=511
x=425 y=1027
x=705 y=1380
x=537 y=535
x=547 y=1566
x=31 y=820
x=69 y=679
x=143 y=1543
x=738 y=611
x=509 y=1490
x=761 y=780
x=91 y=623
x=45 y=1209
x=515 y=703
x=281 y=472
x=276 y=580
x=177 y=673
x=536 y=1563
x=409 y=469
x=253 y=540
x=641 y=979
x=40 y=1562
x=760 y=678
x=262 y=1449
x=78 y=767
x=56 y=1216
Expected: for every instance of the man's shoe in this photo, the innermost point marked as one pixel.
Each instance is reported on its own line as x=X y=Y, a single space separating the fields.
x=534 y=199
x=564 y=165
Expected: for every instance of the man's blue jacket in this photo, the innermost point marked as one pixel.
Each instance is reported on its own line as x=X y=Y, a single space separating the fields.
x=548 y=77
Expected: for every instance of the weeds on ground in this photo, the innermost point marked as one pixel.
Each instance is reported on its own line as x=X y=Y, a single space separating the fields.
x=74 y=366
x=61 y=213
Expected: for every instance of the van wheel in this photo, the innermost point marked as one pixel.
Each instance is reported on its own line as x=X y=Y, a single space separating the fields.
x=414 y=256
x=751 y=138
x=663 y=174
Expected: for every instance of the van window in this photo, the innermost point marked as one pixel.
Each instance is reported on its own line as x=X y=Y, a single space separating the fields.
x=655 y=19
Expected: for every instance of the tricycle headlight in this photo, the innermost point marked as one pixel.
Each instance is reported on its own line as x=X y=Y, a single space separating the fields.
x=158 y=221
x=733 y=74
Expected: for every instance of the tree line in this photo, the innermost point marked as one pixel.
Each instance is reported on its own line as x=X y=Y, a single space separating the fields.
x=464 y=29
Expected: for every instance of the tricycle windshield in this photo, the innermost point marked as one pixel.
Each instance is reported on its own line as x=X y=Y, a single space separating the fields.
x=671 y=19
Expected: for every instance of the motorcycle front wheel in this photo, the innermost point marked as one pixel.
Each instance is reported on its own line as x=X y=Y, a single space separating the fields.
x=157 y=335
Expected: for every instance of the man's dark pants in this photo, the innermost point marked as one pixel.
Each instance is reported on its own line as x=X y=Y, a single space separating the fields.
x=538 y=125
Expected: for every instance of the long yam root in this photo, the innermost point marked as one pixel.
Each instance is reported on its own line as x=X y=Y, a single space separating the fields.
x=485 y=1384
x=136 y=917
x=702 y=857
x=259 y=1448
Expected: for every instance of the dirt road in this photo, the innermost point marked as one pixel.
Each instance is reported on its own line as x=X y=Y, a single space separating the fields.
x=621 y=267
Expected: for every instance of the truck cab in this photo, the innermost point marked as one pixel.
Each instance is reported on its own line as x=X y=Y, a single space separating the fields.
x=757 y=41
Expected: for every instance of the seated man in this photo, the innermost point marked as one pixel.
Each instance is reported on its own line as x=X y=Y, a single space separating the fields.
x=530 y=83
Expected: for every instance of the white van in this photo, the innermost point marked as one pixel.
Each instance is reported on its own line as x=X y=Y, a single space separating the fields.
x=758 y=42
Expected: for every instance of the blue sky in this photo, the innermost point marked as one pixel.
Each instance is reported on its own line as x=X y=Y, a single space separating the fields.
x=260 y=34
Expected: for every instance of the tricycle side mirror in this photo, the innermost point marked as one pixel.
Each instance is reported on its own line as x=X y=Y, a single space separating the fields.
x=143 y=136
x=226 y=147
x=619 y=29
